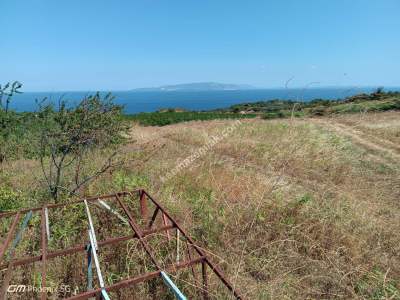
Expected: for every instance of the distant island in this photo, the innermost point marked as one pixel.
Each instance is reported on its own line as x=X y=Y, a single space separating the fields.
x=197 y=86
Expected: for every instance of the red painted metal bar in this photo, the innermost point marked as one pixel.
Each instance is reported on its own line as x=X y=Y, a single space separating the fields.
x=131 y=281
x=80 y=248
x=9 y=235
x=200 y=251
x=143 y=204
x=205 y=280
x=10 y=267
x=190 y=258
x=138 y=232
x=196 y=281
x=44 y=254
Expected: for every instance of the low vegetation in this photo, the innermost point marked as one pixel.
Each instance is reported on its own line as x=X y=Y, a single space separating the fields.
x=301 y=208
x=62 y=138
x=375 y=102
x=170 y=116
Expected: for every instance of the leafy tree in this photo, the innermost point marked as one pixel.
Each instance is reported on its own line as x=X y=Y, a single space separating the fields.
x=8 y=120
x=70 y=135
x=7 y=92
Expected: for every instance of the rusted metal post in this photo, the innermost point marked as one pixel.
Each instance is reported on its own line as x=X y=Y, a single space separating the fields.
x=143 y=204
x=10 y=267
x=205 y=281
x=82 y=247
x=190 y=258
x=91 y=199
x=9 y=236
x=169 y=224
x=138 y=232
x=200 y=251
x=44 y=254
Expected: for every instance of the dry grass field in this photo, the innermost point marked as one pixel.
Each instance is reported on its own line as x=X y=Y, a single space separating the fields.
x=289 y=208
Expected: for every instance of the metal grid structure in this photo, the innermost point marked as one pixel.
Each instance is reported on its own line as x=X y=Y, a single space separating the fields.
x=145 y=201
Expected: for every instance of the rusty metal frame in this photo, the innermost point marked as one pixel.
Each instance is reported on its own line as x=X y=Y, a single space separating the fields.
x=44 y=252
x=167 y=223
x=9 y=235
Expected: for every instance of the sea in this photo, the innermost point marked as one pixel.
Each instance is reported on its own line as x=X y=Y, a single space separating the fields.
x=150 y=101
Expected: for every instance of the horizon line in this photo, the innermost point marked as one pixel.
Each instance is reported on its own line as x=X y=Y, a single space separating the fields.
x=205 y=90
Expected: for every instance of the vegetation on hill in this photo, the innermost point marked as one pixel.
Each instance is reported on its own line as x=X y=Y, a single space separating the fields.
x=171 y=117
x=378 y=101
x=62 y=138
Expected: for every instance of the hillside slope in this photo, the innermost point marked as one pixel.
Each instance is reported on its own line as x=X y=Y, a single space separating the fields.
x=288 y=208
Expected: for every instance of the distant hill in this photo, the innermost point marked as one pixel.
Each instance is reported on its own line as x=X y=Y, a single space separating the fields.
x=197 y=86
x=378 y=101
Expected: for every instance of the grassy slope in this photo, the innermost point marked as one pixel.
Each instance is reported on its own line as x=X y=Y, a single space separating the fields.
x=288 y=208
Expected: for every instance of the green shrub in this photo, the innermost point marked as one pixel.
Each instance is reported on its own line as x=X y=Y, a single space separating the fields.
x=70 y=135
x=9 y=199
x=304 y=199
x=169 y=117
x=376 y=286
x=129 y=182
x=273 y=115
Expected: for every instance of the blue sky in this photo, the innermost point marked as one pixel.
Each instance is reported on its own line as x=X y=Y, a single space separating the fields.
x=117 y=45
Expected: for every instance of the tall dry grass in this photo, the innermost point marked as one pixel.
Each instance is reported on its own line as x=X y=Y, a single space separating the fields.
x=288 y=208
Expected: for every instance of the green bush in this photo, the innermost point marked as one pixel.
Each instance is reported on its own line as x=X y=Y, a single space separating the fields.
x=70 y=135
x=170 y=117
x=129 y=182
x=9 y=199
x=273 y=115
